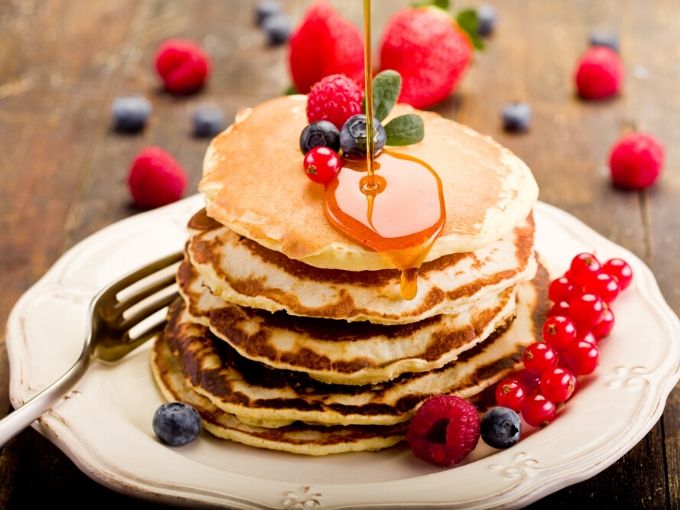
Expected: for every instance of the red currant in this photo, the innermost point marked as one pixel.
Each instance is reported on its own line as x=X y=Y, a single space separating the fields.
x=559 y=308
x=584 y=267
x=510 y=393
x=528 y=381
x=586 y=310
x=539 y=357
x=605 y=325
x=322 y=164
x=558 y=384
x=604 y=285
x=619 y=269
x=559 y=332
x=537 y=410
x=587 y=336
x=561 y=289
x=582 y=357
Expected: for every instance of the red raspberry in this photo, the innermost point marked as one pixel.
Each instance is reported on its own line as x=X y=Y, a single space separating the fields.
x=599 y=73
x=324 y=43
x=444 y=430
x=182 y=65
x=430 y=52
x=155 y=178
x=635 y=161
x=335 y=98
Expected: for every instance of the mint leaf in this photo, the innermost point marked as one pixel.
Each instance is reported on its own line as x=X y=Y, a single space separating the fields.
x=386 y=89
x=442 y=4
x=290 y=91
x=468 y=22
x=405 y=130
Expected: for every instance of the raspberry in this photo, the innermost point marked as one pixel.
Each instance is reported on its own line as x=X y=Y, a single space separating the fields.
x=155 y=178
x=335 y=98
x=599 y=73
x=182 y=65
x=430 y=52
x=324 y=43
x=444 y=430
x=635 y=161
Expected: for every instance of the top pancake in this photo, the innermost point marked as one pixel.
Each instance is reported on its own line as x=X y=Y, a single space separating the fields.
x=254 y=184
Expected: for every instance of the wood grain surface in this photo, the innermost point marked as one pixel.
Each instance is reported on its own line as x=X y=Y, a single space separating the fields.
x=63 y=169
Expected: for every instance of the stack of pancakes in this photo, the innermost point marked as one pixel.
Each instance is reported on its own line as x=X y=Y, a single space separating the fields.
x=291 y=336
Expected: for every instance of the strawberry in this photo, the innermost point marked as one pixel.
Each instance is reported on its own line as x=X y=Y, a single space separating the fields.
x=430 y=51
x=324 y=43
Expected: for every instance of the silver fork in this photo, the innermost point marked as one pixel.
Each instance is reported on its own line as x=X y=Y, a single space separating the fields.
x=122 y=317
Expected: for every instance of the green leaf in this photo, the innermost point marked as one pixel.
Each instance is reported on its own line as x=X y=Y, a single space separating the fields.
x=290 y=91
x=468 y=22
x=386 y=89
x=405 y=130
x=442 y=4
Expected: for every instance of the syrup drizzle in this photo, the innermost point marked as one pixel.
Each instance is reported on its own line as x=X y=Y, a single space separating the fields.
x=391 y=202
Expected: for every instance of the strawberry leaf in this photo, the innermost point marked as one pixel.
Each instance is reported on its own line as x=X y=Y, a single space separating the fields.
x=290 y=91
x=442 y=4
x=469 y=23
x=405 y=130
x=386 y=89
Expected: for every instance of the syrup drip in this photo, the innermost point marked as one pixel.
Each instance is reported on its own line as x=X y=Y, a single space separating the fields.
x=201 y=221
x=401 y=217
x=391 y=203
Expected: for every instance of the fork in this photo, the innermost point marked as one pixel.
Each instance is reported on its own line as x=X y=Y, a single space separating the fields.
x=121 y=317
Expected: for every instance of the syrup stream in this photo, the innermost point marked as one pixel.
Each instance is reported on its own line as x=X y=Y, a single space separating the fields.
x=394 y=203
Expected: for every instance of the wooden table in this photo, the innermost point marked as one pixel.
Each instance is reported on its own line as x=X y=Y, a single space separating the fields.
x=63 y=169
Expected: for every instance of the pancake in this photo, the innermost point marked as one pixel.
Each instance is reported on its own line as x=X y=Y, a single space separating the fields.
x=257 y=394
x=242 y=272
x=254 y=184
x=336 y=351
x=295 y=438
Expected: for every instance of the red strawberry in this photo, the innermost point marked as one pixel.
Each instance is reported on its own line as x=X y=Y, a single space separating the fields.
x=430 y=52
x=325 y=43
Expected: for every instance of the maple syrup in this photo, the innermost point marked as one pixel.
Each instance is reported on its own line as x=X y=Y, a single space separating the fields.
x=391 y=203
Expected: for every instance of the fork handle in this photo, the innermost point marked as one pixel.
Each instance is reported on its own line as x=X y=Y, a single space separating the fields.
x=22 y=417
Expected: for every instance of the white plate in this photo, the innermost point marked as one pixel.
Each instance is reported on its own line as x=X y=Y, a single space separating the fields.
x=105 y=424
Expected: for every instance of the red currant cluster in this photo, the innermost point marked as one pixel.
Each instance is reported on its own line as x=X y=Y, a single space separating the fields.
x=579 y=318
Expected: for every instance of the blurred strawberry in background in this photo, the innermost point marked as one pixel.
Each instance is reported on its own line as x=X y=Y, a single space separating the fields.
x=325 y=43
x=425 y=44
x=430 y=51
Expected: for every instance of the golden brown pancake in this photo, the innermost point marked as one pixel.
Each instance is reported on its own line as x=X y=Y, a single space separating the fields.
x=241 y=271
x=294 y=438
x=341 y=352
x=254 y=184
x=258 y=394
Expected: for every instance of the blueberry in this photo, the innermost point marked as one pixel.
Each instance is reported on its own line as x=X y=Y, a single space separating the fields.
x=516 y=116
x=486 y=19
x=208 y=121
x=321 y=133
x=353 y=136
x=603 y=38
x=500 y=427
x=176 y=424
x=130 y=113
x=277 y=29
x=265 y=9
